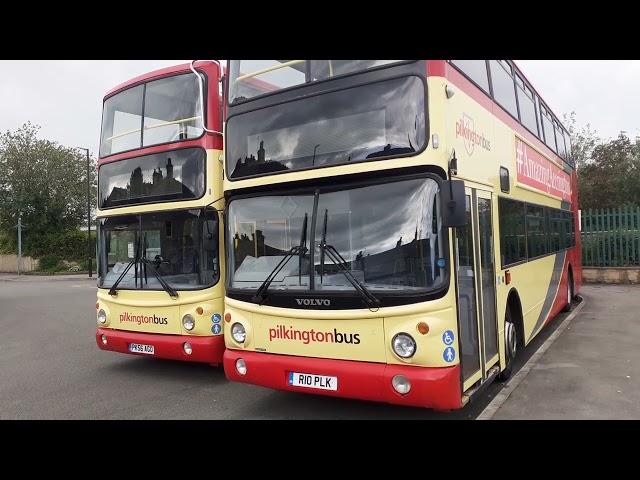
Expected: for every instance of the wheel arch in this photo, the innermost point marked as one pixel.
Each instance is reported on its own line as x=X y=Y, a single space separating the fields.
x=515 y=307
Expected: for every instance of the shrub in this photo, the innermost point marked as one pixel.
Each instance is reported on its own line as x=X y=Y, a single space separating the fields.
x=49 y=263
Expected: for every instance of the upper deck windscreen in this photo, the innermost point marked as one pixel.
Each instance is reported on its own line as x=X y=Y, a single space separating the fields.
x=160 y=111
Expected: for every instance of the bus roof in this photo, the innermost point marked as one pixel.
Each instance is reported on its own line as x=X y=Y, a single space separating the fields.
x=161 y=72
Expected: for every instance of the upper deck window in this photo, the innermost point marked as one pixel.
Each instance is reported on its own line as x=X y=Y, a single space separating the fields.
x=251 y=78
x=161 y=111
x=547 y=126
x=476 y=70
x=567 y=142
x=560 y=140
x=527 y=106
x=367 y=122
x=503 y=87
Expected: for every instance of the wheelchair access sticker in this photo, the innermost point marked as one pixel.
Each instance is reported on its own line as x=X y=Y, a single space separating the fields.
x=447 y=337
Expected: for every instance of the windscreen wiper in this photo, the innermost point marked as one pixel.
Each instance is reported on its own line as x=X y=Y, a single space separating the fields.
x=323 y=242
x=113 y=290
x=168 y=288
x=369 y=298
x=300 y=250
x=333 y=254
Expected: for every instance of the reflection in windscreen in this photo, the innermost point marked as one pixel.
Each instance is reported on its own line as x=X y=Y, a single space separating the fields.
x=322 y=138
x=377 y=120
x=181 y=246
x=389 y=235
x=174 y=175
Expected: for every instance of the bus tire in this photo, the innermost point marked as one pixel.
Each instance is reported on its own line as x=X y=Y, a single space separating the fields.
x=510 y=345
x=567 y=307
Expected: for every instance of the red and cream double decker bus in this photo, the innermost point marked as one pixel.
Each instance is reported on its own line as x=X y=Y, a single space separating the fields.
x=396 y=230
x=160 y=266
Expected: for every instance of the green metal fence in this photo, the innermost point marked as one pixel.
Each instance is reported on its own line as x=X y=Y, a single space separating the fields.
x=611 y=237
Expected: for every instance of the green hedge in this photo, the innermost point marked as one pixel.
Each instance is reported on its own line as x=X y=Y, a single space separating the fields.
x=51 y=248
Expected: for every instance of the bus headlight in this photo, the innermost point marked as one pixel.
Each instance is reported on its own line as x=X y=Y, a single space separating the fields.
x=238 y=332
x=102 y=317
x=188 y=322
x=403 y=345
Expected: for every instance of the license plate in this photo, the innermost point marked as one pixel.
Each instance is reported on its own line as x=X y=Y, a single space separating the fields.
x=141 y=348
x=307 y=380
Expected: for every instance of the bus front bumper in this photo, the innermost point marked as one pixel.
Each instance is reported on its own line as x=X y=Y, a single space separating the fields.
x=437 y=388
x=171 y=347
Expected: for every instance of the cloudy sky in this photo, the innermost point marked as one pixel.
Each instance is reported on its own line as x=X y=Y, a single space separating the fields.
x=65 y=97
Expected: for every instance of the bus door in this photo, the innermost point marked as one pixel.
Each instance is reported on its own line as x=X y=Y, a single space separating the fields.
x=476 y=287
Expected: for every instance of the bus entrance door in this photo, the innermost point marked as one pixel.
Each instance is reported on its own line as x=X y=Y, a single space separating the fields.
x=475 y=275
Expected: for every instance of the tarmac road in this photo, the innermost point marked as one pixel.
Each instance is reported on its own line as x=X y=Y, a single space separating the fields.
x=51 y=368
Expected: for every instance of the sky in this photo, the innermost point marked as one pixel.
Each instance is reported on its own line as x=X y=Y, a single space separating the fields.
x=65 y=97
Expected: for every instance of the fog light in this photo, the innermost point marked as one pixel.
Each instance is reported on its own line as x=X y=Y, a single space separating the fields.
x=401 y=384
x=241 y=367
x=403 y=345
x=104 y=339
x=186 y=346
x=102 y=317
x=238 y=332
x=188 y=322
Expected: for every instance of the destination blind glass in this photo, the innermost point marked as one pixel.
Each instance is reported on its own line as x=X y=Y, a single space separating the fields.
x=368 y=122
x=167 y=176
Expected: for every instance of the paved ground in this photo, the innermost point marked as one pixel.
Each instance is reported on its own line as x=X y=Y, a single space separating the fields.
x=592 y=370
x=51 y=368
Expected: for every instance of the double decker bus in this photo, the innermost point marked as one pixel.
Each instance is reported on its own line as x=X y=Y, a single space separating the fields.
x=160 y=267
x=396 y=230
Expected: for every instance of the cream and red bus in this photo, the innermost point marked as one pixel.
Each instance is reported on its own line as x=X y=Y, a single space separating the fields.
x=160 y=266
x=396 y=231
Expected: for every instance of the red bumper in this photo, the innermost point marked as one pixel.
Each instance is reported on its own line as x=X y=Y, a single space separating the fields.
x=204 y=349
x=437 y=388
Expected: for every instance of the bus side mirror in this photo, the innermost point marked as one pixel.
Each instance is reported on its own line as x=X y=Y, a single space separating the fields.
x=453 y=203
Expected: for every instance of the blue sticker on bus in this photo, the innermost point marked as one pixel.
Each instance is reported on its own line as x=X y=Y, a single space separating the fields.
x=447 y=337
x=216 y=328
x=449 y=354
x=215 y=318
x=441 y=263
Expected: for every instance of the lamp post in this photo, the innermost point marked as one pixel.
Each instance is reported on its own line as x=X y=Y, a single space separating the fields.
x=88 y=210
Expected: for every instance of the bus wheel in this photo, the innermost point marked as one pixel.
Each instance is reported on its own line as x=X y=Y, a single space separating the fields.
x=510 y=344
x=567 y=307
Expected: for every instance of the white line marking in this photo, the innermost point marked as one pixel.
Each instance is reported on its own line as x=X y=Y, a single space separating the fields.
x=491 y=409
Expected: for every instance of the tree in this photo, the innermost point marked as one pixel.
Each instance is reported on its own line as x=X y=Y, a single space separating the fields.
x=44 y=182
x=583 y=140
x=608 y=171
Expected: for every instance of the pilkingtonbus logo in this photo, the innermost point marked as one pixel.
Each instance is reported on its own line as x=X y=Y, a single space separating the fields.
x=140 y=319
x=307 y=302
x=465 y=128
